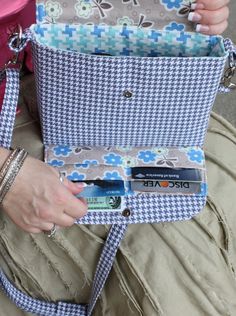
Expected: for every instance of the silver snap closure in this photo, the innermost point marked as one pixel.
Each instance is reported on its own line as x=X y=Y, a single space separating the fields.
x=126 y=212
x=128 y=94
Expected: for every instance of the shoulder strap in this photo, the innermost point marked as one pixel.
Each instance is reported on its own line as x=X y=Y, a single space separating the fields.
x=12 y=75
x=227 y=84
x=105 y=263
x=8 y=112
x=43 y=308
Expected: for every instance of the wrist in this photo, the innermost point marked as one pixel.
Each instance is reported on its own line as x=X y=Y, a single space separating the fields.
x=4 y=153
x=10 y=170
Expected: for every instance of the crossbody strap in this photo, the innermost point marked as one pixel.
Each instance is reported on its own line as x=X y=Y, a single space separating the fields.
x=43 y=308
x=8 y=112
x=227 y=84
x=105 y=263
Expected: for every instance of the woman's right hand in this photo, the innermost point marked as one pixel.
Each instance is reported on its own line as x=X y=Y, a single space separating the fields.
x=37 y=199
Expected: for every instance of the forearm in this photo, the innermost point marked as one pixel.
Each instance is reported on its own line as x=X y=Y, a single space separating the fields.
x=4 y=153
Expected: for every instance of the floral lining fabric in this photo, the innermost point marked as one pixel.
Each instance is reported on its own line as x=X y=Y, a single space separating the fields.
x=115 y=163
x=157 y=14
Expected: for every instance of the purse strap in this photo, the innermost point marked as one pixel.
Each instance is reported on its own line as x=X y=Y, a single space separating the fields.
x=44 y=308
x=8 y=112
x=227 y=85
x=105 y=262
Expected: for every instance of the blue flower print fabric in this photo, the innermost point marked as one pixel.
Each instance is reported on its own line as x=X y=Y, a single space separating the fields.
x=115 y=163
x=157 y=14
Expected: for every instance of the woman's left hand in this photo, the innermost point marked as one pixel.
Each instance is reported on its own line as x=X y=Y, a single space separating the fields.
x=211 y=16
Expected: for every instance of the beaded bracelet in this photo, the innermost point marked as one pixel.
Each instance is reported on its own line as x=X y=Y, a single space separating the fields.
x=11 y=172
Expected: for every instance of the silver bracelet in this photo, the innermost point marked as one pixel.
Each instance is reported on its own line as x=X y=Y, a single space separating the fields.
x=12 y=172
x=7 y=163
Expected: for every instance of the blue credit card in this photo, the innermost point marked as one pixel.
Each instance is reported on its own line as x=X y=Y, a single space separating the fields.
x=172 y=174
x=102 y=188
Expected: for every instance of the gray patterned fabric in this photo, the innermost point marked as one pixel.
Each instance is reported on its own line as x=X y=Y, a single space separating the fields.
x=156 y=14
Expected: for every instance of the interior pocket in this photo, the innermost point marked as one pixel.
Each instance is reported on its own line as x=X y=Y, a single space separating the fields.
x=130 y=171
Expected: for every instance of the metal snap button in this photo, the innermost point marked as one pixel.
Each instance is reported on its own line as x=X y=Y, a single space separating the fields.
x=128 y=94
x=126 y=212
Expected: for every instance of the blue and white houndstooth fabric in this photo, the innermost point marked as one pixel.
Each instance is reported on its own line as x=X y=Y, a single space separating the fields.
x=98 y=100
x=83 y=98
x=38 y=307
x=105 y=263
x=149 y=208
x=7 y=115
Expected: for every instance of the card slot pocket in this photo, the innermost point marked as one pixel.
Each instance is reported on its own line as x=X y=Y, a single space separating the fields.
x=116 y=180
x=114 y=164
x=127 y=157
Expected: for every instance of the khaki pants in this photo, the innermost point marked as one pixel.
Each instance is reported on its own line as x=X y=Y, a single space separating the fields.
x=184 y=268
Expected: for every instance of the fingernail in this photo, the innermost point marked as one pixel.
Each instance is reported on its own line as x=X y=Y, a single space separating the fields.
x=202 y=28
x=80 y=185
x=194 y=17
x=197 y=6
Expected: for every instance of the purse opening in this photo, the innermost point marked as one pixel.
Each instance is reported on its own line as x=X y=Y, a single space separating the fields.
x=127 y=41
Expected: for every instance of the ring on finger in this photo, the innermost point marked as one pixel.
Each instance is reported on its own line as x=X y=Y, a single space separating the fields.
x=51 y=232
x=61 y=177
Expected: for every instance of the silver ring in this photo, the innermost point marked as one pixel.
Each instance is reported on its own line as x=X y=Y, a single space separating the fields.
x=51 y=232
x=61 y=177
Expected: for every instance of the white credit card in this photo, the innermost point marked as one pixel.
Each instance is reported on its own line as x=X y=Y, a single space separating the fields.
x=168 y=187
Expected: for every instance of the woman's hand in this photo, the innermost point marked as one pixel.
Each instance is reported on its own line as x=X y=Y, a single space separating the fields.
x=210 y=15
x=37 y=199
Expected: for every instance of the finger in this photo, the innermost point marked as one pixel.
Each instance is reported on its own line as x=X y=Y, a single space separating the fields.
x=209 y=4
x=43 y=226
x=77 y=208
x=74 y=188
x=33 y=230
x=64 y=220
x=35 y=225
x=32 y=221
x=212 y=29
x=64 y=202
x=20 y=222
x=30 y=229
x=84 y=201
x=207 y=17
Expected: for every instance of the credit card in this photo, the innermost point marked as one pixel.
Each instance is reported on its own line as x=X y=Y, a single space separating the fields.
x=102 y=188
x=109 y=203
x=168 y=187
x=172 y=174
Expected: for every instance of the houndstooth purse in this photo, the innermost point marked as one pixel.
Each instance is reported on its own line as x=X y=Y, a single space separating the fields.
x=121 y=86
